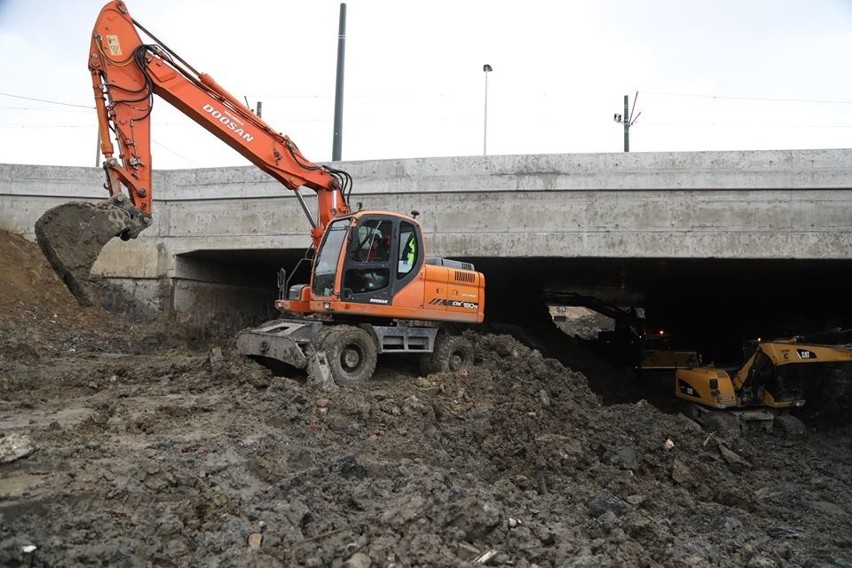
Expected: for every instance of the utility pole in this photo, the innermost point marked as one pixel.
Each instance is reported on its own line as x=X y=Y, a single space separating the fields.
x=486 y=69
x=627 y=119
x=337 y=142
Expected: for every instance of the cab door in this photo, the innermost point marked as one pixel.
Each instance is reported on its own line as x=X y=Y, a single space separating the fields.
x=383 y=255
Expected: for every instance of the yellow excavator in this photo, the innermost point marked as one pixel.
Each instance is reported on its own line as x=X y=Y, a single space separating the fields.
x=766 y=389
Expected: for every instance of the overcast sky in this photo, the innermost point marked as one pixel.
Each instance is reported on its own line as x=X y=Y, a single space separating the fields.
x=711 y=75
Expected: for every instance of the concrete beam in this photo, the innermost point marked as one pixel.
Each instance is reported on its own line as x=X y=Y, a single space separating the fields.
x=728 y=205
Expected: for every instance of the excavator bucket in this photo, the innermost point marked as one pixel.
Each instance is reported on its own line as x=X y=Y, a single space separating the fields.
x=72 y=235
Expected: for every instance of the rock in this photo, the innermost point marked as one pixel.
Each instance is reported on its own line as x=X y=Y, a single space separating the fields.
x=681 y=472
x=358 y=560
x=828 y=508
x=761 y=562
x=625 y=458
x=254 y=540
x=733 y=524
x=15 y=446
x=605 y=503
x=636 y=500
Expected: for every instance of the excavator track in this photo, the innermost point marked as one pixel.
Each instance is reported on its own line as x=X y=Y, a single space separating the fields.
x=72 y=235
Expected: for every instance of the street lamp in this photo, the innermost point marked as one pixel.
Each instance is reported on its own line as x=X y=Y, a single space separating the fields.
x=487 y=69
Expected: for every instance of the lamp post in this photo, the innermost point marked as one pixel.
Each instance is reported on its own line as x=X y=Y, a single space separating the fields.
x=487 y=69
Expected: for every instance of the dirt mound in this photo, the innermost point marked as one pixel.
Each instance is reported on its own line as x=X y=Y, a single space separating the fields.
x=178 y=456
x=40 y=316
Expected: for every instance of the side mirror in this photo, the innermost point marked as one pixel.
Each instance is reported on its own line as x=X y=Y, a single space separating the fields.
x=282 y=284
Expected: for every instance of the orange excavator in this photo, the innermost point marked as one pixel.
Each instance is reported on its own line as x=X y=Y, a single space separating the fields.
x=372 y=289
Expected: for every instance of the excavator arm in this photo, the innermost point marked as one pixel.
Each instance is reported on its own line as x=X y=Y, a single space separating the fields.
x=126 y=73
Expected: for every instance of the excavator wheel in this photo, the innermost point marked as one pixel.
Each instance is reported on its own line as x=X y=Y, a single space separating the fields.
x=452 y=354
x=351 y=354
x=721 y=422
x=788 y=426
x=72 y=235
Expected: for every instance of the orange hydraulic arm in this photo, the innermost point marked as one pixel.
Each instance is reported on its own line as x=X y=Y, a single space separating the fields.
x=127 y=73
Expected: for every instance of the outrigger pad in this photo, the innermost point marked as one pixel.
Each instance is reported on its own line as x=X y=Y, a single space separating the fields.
x=72 y=235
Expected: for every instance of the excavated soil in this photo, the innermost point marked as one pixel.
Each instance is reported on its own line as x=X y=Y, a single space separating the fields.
x=139 y=444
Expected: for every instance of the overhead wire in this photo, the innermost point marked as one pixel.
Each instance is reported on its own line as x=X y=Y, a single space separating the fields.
x=744 y=98
x=46 y=101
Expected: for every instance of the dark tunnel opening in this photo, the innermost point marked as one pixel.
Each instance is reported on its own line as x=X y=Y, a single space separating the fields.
x=712 y=306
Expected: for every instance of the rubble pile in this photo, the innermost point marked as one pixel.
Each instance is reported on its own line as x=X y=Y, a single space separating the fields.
x=152 y=449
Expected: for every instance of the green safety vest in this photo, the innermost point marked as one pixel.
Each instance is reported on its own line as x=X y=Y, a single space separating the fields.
x=412 y=250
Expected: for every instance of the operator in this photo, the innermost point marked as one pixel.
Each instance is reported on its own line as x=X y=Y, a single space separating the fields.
x=412 y=251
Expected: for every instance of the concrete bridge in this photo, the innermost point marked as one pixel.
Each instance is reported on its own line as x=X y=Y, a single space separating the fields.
x=613 y=224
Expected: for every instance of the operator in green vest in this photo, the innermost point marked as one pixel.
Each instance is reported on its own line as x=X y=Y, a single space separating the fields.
x=412 y=251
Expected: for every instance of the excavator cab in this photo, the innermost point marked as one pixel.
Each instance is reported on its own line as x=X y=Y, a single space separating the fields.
x=369 y=263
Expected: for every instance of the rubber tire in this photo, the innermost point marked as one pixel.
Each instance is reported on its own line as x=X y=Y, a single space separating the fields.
x=789 y=426
x=351 y=354
x=452 y=354
x=721 y=423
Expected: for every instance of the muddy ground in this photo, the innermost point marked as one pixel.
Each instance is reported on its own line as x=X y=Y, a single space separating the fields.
x=151 y=446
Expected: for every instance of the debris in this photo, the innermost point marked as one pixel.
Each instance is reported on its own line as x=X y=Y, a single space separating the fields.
x=216 y=356
x=29 y=548
x=486 y=556
x=668 y=445
x=467 y=552
x=14 y=447
x=732 y=457
x=782 y=532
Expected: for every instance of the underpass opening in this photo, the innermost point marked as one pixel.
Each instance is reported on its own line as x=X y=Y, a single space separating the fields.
x=224 y=291
x=712 y=306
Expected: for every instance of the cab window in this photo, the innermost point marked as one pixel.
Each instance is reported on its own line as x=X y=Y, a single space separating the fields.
x=374 y=238
x=408 y=252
